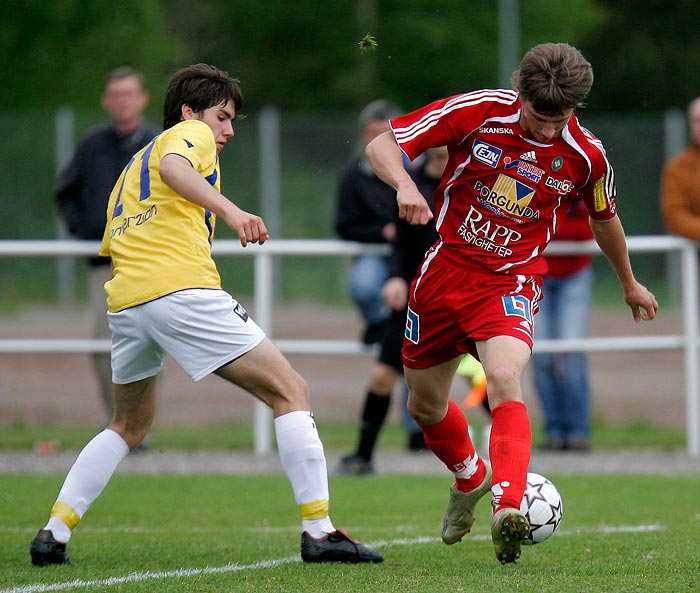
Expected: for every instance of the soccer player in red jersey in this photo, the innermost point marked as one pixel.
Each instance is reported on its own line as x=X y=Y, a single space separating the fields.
x=517 y=158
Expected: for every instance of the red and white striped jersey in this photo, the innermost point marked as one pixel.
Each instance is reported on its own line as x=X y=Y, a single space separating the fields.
x=503 y=195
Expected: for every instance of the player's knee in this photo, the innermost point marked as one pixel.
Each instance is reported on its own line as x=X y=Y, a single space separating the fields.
x=424 y=413
x=503 y=380
x=297 y=392
x=133 y=434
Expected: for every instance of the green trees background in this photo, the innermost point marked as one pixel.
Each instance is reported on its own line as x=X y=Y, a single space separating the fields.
x=305 y=56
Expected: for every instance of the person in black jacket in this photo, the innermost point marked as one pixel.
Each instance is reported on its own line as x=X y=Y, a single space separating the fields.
x=84 y=185
x=366 y=212
x=407 y=252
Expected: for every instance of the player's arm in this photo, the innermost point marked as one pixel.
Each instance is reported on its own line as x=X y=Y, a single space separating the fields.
x=610 y=236
x=179 y=174
x=386 y=159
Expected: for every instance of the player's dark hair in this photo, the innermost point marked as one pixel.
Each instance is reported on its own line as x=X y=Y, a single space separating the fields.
x=553 y=77
x=200 y=86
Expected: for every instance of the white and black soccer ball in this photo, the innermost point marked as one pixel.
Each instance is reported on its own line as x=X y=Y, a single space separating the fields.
x=542 y=505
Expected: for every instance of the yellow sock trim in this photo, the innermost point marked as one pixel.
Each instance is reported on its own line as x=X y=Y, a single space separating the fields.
x=66 y=514
x=318 y=509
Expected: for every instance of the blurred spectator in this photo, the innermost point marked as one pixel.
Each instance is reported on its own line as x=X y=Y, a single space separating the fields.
x=680 y=184
x=366 y=212
x=85 y=183
x=561 y=378
x=408 y=249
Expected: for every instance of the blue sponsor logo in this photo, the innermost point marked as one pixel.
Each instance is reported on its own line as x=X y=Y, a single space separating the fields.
x=525 y=169
x=412 y=331
x=519 y=306
x=490 y=155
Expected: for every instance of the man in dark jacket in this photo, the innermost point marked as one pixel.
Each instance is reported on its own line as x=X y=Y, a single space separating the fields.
x=85 y=183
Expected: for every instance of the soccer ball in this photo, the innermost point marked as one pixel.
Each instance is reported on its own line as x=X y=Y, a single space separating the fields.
x=542 y=506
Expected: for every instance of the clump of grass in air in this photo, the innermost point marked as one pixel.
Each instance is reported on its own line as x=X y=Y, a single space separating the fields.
x=368 y=43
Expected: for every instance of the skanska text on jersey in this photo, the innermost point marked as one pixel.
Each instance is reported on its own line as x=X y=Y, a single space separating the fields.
x=486 y=234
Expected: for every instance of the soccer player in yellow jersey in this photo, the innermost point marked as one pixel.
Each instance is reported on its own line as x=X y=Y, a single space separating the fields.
x=165 y=297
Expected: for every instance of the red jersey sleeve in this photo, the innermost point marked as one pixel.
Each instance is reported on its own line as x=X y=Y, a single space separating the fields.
x=599 y=192
x=449 y=121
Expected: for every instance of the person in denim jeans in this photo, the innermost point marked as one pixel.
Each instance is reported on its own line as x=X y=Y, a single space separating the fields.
x=561 y=378
x=407 y=252
x=366 y=211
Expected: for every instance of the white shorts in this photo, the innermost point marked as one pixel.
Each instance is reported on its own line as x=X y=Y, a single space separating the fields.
x=201 y=329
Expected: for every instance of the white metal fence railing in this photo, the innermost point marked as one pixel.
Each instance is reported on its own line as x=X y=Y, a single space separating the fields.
x=688 y=341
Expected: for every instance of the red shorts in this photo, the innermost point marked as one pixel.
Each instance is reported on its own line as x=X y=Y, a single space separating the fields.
x=451 y=308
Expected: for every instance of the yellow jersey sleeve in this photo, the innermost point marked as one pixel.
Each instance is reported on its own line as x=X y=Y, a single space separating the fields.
x=193 y=140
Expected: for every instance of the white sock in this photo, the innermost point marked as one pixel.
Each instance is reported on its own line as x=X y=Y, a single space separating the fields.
x=317 y=528
x=85 y=481
x=304 y=463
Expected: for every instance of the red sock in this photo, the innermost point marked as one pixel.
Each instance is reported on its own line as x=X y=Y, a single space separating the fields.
x=509 y=449
x=449 y=440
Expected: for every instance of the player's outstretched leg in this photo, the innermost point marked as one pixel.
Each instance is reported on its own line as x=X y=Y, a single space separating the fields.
x=337 y=546
x=459 y=517
x=85 y=481
x=304 y=463
x=509 y=528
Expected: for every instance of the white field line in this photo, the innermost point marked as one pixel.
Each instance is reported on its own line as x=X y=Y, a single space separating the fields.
x=136 y=577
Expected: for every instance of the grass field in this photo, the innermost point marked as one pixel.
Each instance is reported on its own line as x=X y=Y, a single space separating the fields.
x=241 y=534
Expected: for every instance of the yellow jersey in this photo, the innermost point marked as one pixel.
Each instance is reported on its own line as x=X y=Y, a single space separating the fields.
x=160 y=242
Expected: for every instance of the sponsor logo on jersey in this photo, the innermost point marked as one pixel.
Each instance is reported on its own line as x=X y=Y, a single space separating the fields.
x=495 y=130
x=529 y=156
x=133 y=221
x=490 y=155
x=487 y=234
x=563 y=186
x=600 y=202
x=509 y=195
x=527 y=170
